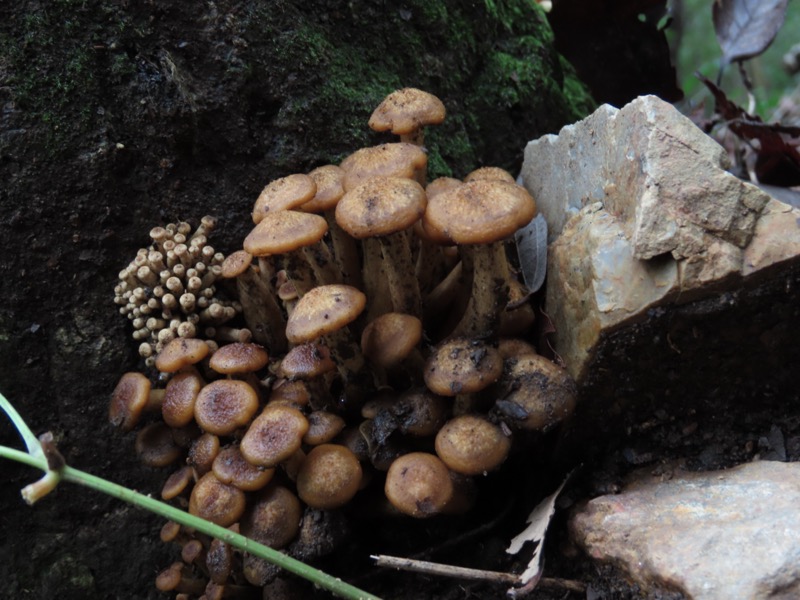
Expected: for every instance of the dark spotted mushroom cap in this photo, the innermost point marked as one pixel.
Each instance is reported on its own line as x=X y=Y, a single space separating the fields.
x=323 y=310
x=406 y=110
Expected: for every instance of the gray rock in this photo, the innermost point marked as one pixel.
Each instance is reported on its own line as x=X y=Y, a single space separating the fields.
x=641 y=214
x=712 y=536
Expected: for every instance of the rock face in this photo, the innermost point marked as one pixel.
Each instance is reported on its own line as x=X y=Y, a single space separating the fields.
x=642 y=214
x=712 y=536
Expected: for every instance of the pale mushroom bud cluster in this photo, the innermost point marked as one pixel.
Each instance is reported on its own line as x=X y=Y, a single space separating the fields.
x=169 y=290
x=388 y=354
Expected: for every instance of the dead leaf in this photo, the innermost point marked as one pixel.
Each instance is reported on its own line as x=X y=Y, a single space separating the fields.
x=745 y=28
x=775 y=145
x=538 y=521
x=531 y=243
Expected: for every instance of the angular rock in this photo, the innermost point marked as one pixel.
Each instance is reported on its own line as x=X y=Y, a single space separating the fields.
x=712 y=536
x=642 y=214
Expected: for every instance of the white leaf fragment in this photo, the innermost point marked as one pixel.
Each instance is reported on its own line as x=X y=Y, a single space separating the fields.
x=532 y=251
x=538 y=521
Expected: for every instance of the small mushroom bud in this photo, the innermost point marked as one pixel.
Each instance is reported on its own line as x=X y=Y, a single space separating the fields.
x=418 y=484
x=329 y=477
x=471 y=445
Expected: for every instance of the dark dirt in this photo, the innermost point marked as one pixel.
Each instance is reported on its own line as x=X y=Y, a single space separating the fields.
x=118 y=116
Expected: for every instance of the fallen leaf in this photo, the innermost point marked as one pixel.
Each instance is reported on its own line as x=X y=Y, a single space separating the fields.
x=531 y=243
x=776 y=146
x=538 y=521
x=745 y=28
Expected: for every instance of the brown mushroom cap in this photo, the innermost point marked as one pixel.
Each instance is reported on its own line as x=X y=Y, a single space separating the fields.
x=496 y=173
x=225 y=405
x=421 y=412
x=155 y=445
x=180 y=353
x=274 y=436
x=202 y=453
x=542 y=389
x=323 y=426
x=471 y=445
x=231 y=467
x=390 y=338
x=274 y=518
x=239 y=357
x=329 y=180
x=217 y=502
x=480 y=212
x=176 y=483
x=397 y=159
x=179 y=398
x=129 y=400
x=329 y=477
x=284 y=194
x=306 y=361
x=284 y=231
x=323 y=310
x=514 y=348
x=380 y=206
x=462 y=366
x=418 y=484
x=290 y=393
x=441 y=184
x=406 y=110
x=236 y=263
x=219 y=561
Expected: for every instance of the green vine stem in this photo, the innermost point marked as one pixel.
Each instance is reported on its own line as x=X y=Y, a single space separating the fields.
x=35 y=458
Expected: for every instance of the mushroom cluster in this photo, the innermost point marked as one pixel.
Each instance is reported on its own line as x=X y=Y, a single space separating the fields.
x=388 y=353
x=169 y=290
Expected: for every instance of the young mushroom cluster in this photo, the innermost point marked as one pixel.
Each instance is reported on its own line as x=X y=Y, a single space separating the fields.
x=169 y=290
x=388 y=353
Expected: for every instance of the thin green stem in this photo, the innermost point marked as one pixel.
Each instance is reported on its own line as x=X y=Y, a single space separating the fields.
x=31 y=442
x=37 y=459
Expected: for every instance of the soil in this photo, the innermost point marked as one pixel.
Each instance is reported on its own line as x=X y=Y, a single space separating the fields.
x=119 y=116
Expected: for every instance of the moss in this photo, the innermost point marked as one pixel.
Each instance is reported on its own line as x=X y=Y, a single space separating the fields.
x=53 y=67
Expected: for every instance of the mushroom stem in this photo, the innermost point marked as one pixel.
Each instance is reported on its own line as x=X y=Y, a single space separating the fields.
x=352 y=368
x=490 y=290
x=345 y=252
x=319 y=257
x=376 y=284
x=261 y=311
x=403 y=284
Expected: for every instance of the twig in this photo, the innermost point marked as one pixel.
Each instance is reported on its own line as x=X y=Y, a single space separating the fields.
x=431 y=568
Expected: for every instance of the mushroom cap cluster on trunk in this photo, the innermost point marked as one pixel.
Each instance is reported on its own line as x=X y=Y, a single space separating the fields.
x=390 y=352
